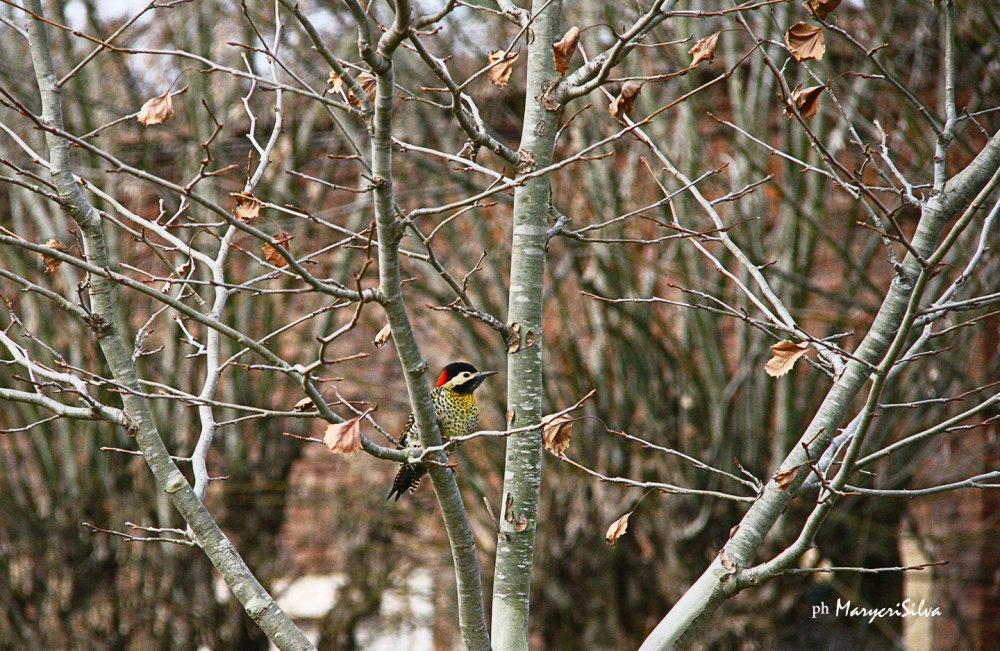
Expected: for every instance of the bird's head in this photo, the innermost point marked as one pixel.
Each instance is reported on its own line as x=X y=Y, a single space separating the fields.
x=462 y=377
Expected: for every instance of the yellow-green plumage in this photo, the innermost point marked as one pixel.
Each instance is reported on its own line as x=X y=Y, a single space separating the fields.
x=457 y=414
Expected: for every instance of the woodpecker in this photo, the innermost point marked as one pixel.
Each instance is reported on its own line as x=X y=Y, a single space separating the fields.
x=457 y=415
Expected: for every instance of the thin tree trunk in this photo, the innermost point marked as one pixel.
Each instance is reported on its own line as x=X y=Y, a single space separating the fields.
x=699 y=603
x=523 y=465
x=105 y=323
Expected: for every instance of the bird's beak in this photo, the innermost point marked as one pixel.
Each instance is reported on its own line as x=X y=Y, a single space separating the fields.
x=477 y=381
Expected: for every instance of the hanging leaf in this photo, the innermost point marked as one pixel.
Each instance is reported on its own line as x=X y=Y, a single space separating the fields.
x=556 y=432
x=344 y=438
x=335 y=83
x=622 y=105
x=247 y=206
x=821 y=8
x=785 y=354
x=564 y=50
x=368 y=84
x=704 y=50
x=805 y=42
x=271 y=254
x=51 y=263
x=616 y=529
x=500 y=73
x=382 y=338
x=156 y=110
x=806 y=100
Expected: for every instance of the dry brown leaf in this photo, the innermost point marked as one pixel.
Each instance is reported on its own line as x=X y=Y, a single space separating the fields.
x=511 y=416
x=564 y=50
x=805 y=42
x=704 y=50
x=520 y=522
x=335 y=83
x=616 y=529
x=500 y=73
x=51 y=264
x=271 y=254
x=525 y=161
x=303 y=404
x=807 y=100
x=785 y=477
x=821 y=8
x=785 y=354
x=530 y=339
x=514 y=340
x=622 y=105
x=247 y=206
x=556 y=432
x=156 y=110
x=382 y=338
x=344 y=438
x=368 y=84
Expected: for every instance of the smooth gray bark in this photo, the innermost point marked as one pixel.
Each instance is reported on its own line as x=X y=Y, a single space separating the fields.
x=104 y=322
x=523 y=465
x=699 y=603
x=471 y=611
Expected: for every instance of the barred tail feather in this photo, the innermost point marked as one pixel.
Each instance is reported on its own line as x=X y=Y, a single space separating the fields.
x=407 y=479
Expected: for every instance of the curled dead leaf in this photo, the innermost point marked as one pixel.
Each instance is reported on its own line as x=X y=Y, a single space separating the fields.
x=806 y=100
x=303 y=404
x=368 y=84
x=704 y=50
x=504 y=65
x=382 y=338
x=623 y=103
x=247 y=206
x=51 y=263
x=335 y=83
x=344 y=438
x=785 y=354
x=821 y=8
x=564 y=50
x=520 y=522
x=805 y=42
x=785 y=476
x=514 y=338
x=271 y=254
x=156 y=110
x=511 y=416
x=556 y=432
x=525 y=161
x=530 y=339
x=616 y=529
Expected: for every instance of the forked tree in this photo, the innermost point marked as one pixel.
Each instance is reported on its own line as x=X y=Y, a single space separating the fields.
x=652 y=212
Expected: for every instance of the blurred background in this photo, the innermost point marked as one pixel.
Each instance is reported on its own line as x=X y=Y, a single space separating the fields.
x=360 y=573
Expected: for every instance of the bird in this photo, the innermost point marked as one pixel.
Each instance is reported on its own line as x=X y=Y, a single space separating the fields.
x=457 y=414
